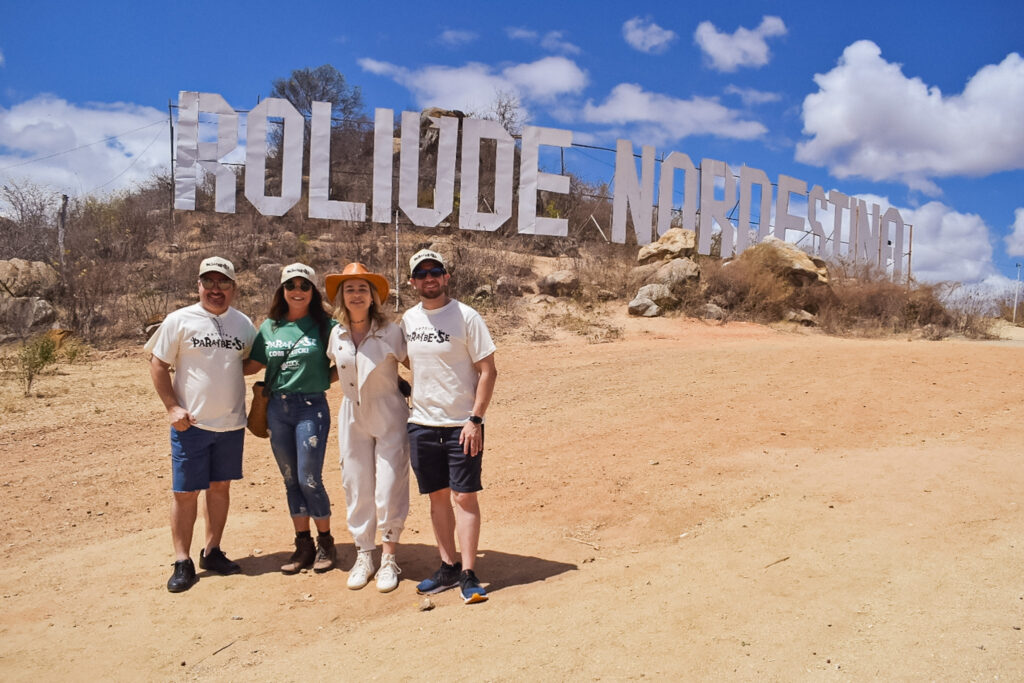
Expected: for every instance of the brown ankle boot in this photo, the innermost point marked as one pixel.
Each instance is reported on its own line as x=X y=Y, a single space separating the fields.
x=302 y=558
x=325 y=553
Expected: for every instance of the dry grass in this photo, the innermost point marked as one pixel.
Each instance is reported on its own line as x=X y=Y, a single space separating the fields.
x=127 y=262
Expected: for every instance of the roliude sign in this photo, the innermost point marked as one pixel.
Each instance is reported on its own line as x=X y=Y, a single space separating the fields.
x=868 y=234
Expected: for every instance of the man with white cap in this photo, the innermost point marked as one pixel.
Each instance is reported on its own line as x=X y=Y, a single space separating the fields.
x=206 y=344
x=451 y=355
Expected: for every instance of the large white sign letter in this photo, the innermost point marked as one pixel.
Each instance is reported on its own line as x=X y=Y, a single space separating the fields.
x=409 y=180
x=256 y=156
x=470 y=218
x=532 y=180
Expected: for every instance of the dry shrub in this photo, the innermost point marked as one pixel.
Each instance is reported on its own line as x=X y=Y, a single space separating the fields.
x=866 y=302
x=971 y=311
x=596 y=332
x=604 y=270
x=746 y=289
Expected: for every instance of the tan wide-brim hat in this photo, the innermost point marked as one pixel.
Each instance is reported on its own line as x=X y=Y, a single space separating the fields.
x=356 y=271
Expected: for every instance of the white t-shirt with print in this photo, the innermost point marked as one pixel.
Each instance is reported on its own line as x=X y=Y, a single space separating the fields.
x=443 y=344
x=207 y=351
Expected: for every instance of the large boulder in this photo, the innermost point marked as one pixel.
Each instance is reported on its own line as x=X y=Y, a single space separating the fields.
x=677 y=274
x=508 y=286
x=559 y=283
x=642 y=275
x=21 y=278
x=789 y=261
x=643 y=306
x=22 y=315
x=712 y=312
x=675 y=243
x=801 y=317
x=659 y=294
x=430 y=134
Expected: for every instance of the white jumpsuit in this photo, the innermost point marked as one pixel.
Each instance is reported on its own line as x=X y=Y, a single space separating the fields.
x=372 y=433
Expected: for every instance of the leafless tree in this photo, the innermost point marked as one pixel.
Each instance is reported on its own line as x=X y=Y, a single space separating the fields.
x=28 y=220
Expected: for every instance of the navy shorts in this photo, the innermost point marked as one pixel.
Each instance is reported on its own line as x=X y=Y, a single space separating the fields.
x=199 y=456
x=438 y=461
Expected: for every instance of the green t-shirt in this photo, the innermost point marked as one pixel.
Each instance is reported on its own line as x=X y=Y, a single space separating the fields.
x=306 y=370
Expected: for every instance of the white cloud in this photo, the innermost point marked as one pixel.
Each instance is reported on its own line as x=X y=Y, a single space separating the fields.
x=868 y=119
x=547 y=78
x=745 y=47
x=70 y=147
x=379 y=68
x=520 y=33
x=1015 y=240
x=949 y=245
x=474 y=86
x=662 y=118
x=1 y=57
x=644 y=35
x=750 y=96
x=456 y=38
x=552 y=41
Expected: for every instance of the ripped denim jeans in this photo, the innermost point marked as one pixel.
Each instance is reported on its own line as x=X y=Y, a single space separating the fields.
x=299 y=424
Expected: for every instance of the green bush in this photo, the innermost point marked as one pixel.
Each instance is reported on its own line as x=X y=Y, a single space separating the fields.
x=34 y=356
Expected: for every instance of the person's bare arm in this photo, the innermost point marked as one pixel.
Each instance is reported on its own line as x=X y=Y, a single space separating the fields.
x=160 y=373
x=251 y=367
x=471 y=437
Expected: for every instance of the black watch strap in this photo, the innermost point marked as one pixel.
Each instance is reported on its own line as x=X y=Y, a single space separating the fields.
x=476 y=419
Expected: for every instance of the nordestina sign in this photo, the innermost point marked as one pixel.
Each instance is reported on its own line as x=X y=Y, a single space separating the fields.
x=869 y=234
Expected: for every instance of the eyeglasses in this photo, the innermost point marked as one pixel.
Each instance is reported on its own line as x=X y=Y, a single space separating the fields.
x=304 y=285
x=436 y=271
x=222 y=285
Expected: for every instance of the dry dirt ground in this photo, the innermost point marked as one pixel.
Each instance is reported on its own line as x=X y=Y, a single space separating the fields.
x=690 y=501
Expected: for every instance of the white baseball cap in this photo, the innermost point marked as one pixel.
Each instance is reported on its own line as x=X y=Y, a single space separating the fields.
x=216 y=264
x=425 y=255
x=298 y=270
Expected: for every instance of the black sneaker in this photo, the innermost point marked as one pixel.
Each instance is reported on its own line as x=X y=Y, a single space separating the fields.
x=218 y=562
x=444 y=578
x=472 y=591
x=184 y=576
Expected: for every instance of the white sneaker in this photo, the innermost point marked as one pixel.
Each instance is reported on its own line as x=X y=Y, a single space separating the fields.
x=387 y=577
x=362 y=570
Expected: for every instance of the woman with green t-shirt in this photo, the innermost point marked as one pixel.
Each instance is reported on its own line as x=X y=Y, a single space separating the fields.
x=291 y=345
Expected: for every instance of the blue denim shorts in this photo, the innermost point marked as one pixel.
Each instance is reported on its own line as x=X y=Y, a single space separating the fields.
x=199 y=456
x=438 y=461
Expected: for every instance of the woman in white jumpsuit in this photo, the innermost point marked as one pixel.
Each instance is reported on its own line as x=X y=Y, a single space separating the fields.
x=366 y=349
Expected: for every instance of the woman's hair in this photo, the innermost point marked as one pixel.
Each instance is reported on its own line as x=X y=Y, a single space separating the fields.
x=377 y=312
x=279 y=310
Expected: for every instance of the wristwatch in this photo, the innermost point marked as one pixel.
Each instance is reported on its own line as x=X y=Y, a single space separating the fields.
x=476 y=419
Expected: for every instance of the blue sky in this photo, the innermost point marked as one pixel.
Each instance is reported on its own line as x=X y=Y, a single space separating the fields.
x=915 y=105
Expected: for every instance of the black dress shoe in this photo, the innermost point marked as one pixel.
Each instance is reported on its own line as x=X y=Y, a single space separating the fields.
x=184 y=576
x=218 y=562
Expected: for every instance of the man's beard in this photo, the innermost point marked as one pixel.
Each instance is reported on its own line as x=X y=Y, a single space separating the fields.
x=433 y=295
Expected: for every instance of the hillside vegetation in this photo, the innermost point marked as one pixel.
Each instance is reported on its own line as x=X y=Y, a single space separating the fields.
x=127 y=261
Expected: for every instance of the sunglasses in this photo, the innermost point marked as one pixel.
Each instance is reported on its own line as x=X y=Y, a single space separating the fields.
x=304 y=285
x=222 y=285
x=436 y=271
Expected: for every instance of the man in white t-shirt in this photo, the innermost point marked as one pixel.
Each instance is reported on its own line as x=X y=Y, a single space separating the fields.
x=205 y=401
x=451 y=355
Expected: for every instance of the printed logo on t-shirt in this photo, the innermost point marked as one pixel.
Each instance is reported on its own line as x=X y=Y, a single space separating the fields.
x=283 y=344
x=429 y=334
x=211 y=340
